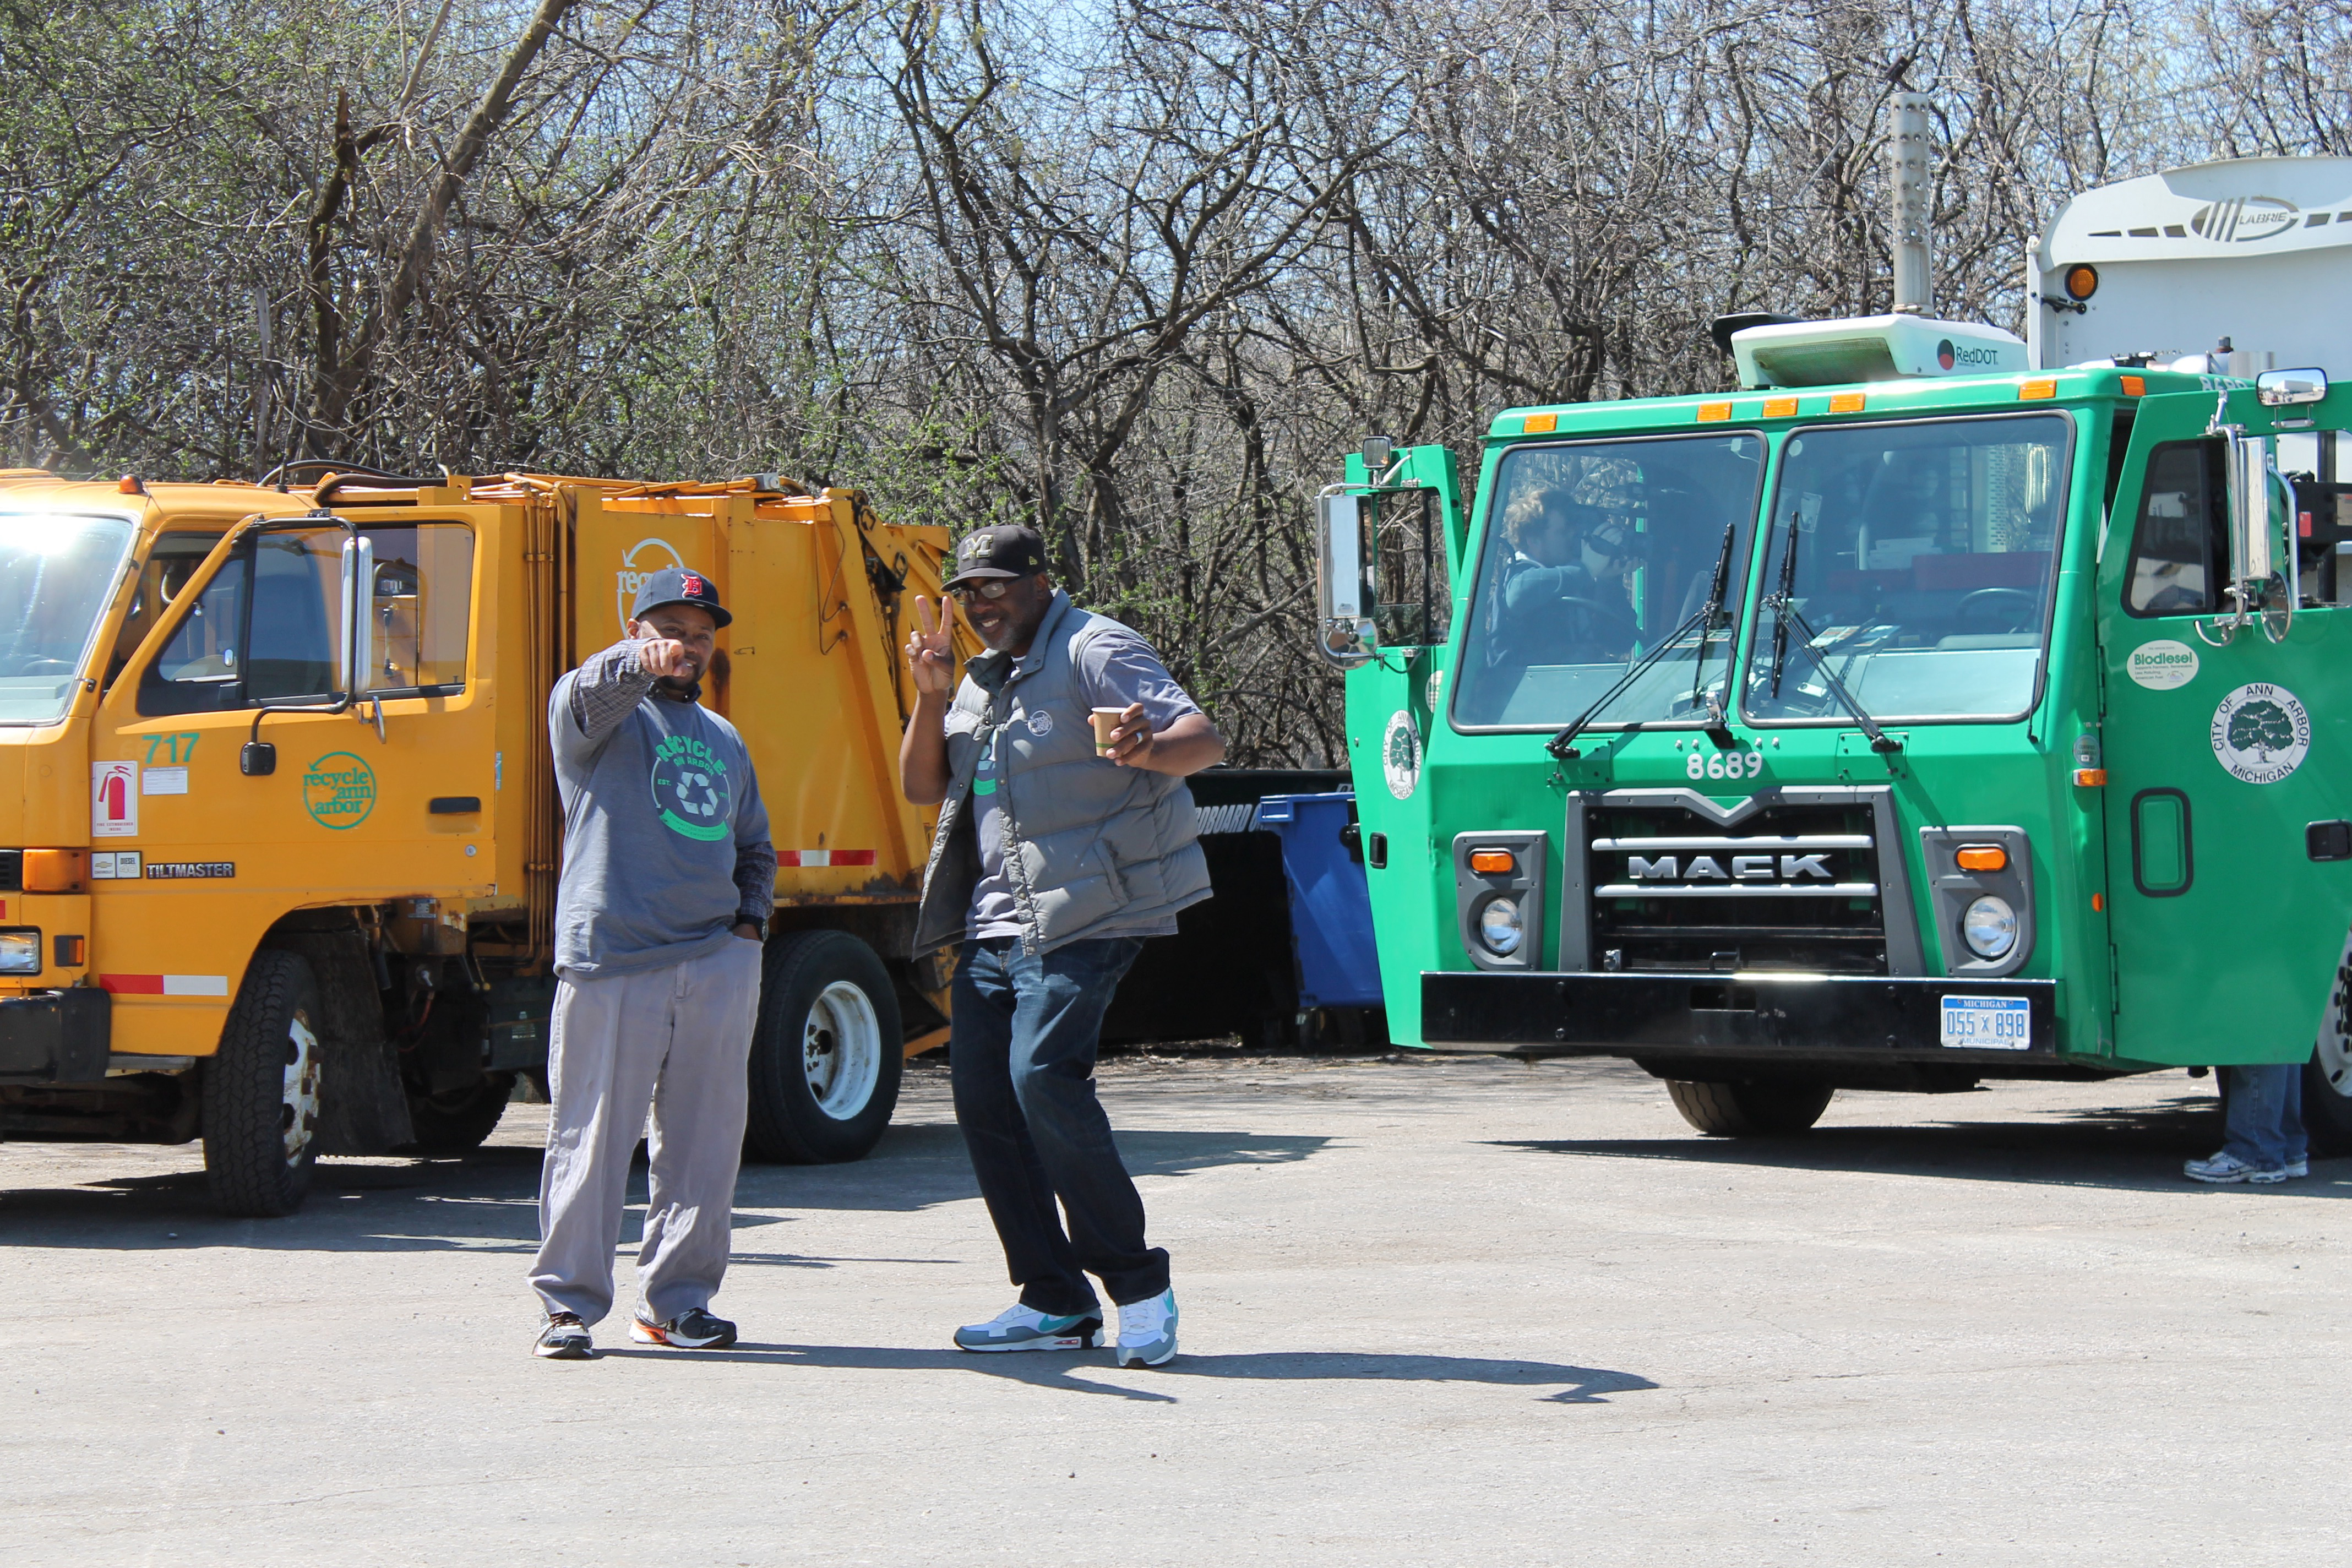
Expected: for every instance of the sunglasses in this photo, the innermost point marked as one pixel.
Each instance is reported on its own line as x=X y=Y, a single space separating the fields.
x=992 y=588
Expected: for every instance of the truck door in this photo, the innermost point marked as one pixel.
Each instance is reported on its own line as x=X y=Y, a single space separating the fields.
x=193 y=858
x=2230 y=895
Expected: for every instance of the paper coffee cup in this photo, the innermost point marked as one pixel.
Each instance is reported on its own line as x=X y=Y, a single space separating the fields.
x=1105 y=719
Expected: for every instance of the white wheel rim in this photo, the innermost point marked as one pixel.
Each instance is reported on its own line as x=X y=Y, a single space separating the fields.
x=2334 y=1052
x=841 y=1050
x=300 y=1117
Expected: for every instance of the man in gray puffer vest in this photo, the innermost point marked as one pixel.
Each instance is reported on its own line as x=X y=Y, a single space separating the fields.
x=1051 y=863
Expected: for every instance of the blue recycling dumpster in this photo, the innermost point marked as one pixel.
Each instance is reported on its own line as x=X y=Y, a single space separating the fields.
x=1330 y=903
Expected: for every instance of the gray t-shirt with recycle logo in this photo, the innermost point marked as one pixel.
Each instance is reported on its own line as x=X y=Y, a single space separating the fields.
x=665 y=838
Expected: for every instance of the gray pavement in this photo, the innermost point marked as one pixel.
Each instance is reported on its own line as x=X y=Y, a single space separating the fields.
x=1434 y=1312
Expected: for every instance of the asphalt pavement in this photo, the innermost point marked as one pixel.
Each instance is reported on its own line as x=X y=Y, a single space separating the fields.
x=1455 y=1311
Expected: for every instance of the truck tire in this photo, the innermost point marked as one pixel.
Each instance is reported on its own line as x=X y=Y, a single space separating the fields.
x=261 y=1091
x=827 y=1053
x=456 y=1122
x=1750 y=1110
x=2326 y=1096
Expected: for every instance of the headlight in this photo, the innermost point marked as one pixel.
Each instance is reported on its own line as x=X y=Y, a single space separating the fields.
x=20 y=952
x=1990 y=927
x=1499 y=928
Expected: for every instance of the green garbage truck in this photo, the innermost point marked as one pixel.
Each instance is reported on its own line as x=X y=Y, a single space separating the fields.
x=1940 y=706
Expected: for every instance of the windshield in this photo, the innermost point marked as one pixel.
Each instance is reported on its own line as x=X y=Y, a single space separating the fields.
x=1919 y=560
x=1596 y=552
x=57 y=575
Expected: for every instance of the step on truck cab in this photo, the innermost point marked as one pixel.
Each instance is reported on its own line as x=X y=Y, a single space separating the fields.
x=1920 y=713
x=282 y=829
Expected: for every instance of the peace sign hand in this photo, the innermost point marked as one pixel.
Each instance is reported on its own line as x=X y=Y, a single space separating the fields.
x=930 y=653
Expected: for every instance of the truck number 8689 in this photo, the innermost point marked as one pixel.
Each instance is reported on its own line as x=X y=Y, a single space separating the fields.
x=1726 y=765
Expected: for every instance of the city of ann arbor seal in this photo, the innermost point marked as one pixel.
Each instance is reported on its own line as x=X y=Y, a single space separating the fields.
x=1401 y=755
x=2261 y=732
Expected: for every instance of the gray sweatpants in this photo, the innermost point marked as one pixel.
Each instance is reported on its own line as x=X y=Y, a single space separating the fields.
x=678 y=1036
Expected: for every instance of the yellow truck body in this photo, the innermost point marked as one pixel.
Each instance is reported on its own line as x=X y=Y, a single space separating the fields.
x=201 y=761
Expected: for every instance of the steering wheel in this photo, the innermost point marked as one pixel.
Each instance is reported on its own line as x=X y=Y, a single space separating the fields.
x=1615 y=615
x=43 y=667
x=2022 y=608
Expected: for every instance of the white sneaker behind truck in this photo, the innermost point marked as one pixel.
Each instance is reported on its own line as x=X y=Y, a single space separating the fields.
x=1147 y=1331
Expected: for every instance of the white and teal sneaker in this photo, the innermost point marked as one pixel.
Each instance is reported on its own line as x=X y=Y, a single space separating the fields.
x=1020 y=1327
x=1147 y=1331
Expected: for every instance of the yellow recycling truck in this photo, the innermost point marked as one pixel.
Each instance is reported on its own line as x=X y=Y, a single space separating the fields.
x=279 y=830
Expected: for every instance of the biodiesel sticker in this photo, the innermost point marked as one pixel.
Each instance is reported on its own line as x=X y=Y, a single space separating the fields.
x=691 y=791
x=2162 y=665
x=339 y=790
x=2261 y=732
x=1401 y=754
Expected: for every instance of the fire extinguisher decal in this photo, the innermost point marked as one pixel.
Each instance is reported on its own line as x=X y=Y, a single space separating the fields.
x=113 y=800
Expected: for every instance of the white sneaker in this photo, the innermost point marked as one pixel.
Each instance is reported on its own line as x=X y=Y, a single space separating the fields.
x=2226 y=1167
x=1020 y=1327
x=1147 y=1331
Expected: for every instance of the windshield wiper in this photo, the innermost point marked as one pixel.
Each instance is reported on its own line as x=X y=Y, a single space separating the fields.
x=1559 y=744
x=1709 y=617
x=1783 y=606
x=1717 y=617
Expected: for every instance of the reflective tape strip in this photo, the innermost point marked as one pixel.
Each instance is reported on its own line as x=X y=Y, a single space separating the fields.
x=807 y=859
x=165 y=985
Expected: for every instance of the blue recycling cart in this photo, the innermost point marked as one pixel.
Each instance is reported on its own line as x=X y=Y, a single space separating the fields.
x=1330 y=901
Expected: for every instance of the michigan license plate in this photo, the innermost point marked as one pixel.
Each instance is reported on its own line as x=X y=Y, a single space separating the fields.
x=1989 y=1022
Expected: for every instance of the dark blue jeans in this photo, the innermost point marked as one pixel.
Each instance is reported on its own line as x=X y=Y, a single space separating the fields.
x=1022 y=1061
x=2265 y=1115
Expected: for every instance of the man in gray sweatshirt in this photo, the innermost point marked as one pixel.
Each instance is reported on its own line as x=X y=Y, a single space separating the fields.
x=668 y=880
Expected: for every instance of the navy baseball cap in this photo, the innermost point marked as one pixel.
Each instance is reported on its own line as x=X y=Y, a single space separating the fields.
x=679 y=585
x=1007 y=550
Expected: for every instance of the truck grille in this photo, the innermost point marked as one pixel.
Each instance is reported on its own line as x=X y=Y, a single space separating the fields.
x=1793 y=886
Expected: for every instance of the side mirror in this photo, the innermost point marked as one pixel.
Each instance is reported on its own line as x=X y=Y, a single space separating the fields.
x=359 y=604
x=1343 y=623
x=2287 y=388
x=2264 y=571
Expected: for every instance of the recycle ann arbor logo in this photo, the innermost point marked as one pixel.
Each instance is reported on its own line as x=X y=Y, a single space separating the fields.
x=2260 y=733
x=690 y=790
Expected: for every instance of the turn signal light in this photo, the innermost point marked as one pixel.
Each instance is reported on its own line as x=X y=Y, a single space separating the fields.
x=56 y=870
x=1984 y=857
x=2091 y=778
x=1493 y=862
x=2082 y=280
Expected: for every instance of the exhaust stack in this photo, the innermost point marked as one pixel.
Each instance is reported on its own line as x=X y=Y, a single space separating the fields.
x=1909 y=150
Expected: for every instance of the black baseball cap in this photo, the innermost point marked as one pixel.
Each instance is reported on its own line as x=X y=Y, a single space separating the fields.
x=679 y=585
x=1007 y=550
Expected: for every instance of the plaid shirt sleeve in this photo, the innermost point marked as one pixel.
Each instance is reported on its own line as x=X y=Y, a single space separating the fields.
x=606 y=689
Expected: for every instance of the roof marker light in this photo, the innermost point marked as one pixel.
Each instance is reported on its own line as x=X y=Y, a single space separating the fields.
x=2135 y=386
x=2037 y=389
x=1539 y=424
x=1712 y=413
x=1848 y=402
x=1779 y=408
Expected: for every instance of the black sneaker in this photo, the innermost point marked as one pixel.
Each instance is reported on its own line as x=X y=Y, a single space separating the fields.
x=692 y=1329
x=565 y=1338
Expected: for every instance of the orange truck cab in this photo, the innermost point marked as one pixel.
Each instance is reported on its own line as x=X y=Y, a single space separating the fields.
x=279 y=832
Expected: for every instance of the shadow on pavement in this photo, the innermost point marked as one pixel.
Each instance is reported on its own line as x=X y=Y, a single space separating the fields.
x=489 y=1201
x=2136 y=1149
x=1573 y=1384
